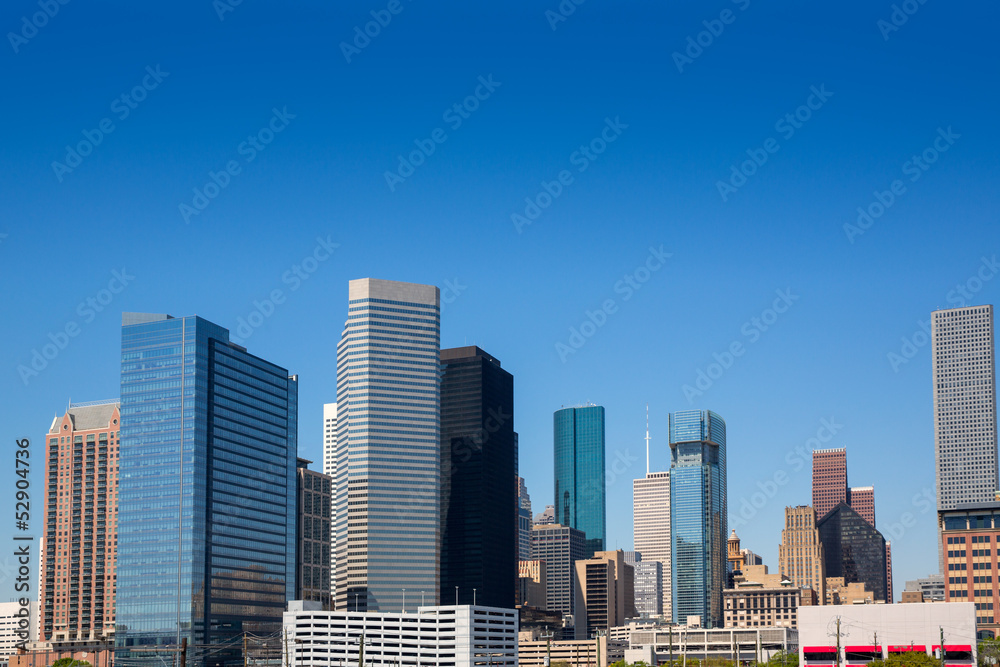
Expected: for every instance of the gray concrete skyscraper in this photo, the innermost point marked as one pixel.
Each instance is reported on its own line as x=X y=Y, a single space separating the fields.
x=388 y=463
x=965 y=407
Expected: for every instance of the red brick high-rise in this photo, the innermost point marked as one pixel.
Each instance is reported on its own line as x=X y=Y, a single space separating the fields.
x=829 y=482
x=81 y=539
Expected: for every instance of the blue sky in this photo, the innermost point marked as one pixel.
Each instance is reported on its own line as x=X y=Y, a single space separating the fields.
x=630 y=153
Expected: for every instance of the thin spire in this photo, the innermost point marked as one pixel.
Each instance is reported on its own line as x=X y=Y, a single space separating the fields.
x=647 y=439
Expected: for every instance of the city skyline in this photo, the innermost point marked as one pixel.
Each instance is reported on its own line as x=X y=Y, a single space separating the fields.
x=802 y=319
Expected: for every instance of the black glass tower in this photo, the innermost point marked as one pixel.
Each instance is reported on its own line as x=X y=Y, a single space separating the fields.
x=478 y=473
x=206 y=493
x=853 y=549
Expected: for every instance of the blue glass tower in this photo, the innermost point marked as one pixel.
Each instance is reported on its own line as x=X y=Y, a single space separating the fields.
x=206 y=492
x=698 y=515
x=579 y=472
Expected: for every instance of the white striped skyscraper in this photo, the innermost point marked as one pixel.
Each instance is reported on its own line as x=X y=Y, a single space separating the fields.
x=965 y=407
x=388 y=464
x=651 y=526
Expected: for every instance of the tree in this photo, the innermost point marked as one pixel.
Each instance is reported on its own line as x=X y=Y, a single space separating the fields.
x=908 y=659
x=989 y=651
x=782 y=659
x=70 y=662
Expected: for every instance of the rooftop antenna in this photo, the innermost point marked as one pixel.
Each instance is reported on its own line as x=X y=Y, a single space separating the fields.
x=647 y=439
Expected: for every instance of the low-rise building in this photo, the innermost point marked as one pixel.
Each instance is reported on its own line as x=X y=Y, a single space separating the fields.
x=898 y=627
x=578 y=653
x=736 y=644
x=838 y=592
x=931 y=587
x=452 y=635
x=760 y=600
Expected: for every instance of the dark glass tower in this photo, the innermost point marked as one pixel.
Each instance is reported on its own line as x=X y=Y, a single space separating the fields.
x=853 y=549
x=579 y=472
x=479 y=538
x=206 y=539
x=698 y=515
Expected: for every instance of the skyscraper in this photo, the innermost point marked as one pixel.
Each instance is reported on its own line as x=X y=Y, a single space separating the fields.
x=330 y=469
x=206 y=544
x=77 y=582
x=605 y=593
x=312 y=571
x=388 y=467
x=560 y=547
x=829 y=479
x=698 y=515
x=853 y=549
x=800 y=554
x=651 y=527
x=579 y=472
x=479 y=536
x=862 y=500
x=965 y=414
x=523 y=521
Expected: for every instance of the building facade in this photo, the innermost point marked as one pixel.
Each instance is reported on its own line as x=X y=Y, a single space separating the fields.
x=931 y=588
x=560 y=547
x=312 y=570
x=800 y=555
x=965 y=421
x=387 y=484
x=762 y=600
x=605 y=593
x=698 y=515
x=648 y=589
x=78 y=574
x=579 y=472
x=479 y=535
x=651 y=529
x=853 y=549
x=18 y=627
x=862 y=500
x=460 y=636
x=970 y=541
x=523 y=521
x=531 y=584
x=829 y=479
x=206 y=540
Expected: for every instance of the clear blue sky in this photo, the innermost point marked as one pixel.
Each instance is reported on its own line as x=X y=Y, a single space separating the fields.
x=673 y=127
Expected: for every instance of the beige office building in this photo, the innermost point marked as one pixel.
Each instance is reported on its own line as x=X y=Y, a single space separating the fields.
x=800 y=555
x=605 y=592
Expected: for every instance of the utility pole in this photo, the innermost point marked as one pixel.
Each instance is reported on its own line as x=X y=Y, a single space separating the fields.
x=837 y=663
x=671 y=635
x=184 y=652
x=244 y=648
x=941 y=628
x=288 y=659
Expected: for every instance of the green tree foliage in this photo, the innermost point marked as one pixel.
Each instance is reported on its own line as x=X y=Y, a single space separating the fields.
x=909 y=659
x=70 y=662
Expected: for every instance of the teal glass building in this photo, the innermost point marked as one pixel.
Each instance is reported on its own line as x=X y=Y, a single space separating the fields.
x=206 y=493
x=698 y=515
x=579 y=472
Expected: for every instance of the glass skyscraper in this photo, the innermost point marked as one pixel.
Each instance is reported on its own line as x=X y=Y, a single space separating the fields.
x=206 y=537
x=698 y=515
x=579 y=472
x=387 y=476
